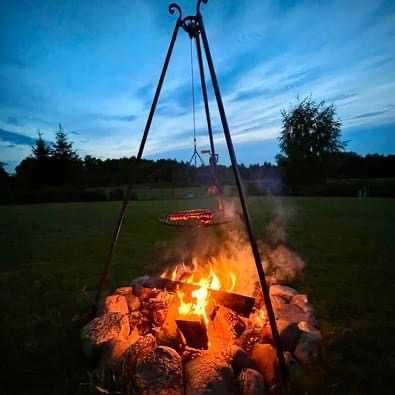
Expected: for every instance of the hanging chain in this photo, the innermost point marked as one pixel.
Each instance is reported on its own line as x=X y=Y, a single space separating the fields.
x=193 y=98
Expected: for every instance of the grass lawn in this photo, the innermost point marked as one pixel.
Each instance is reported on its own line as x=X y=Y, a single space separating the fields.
x=52 y=255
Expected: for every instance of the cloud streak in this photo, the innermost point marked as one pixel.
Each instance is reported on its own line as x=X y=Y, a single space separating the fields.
x=99 y=81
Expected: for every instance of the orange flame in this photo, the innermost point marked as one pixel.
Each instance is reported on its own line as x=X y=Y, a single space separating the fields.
x=205 y=281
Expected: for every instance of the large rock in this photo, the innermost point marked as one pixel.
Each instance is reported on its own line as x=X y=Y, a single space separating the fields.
x=239 y=359
x=289 y=334
x=209 y=373
x=264 y=357
x=296 y=374
x=250 y=337
x=115 y=304
x=159 y=373
x=251 y=382
x=309 y=326
x=124 y=291
x=302 y=302
x=103 y=329
x=115 y=350
x=133 y=302
x=282 y=290
x=144 y=345
x=291 y=313
x=308 y=348
x=288 y=331
x=278 y=302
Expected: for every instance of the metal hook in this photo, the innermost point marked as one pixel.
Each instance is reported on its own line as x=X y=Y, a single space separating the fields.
x=173 y=7
x=198 y=6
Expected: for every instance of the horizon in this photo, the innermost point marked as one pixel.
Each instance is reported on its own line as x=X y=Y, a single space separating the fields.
x=64 y=65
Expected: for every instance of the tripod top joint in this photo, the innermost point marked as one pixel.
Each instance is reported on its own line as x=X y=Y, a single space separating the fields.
x=190 y=23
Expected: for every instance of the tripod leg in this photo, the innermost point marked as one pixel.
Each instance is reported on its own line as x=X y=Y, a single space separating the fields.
x=247 y=220
x=121 y=217
x=213 y=157
x=205 y=97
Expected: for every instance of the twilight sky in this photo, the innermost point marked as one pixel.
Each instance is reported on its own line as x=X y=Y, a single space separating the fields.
x=94 y=65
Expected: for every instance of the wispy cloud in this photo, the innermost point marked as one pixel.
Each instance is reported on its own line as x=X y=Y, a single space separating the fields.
x=62 y=65
x=15 y=138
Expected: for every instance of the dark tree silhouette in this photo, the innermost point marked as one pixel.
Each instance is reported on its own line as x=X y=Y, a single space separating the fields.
x=310 y=136
x=66 y=165
x=63 y=148
x=40 y=149
x=5 y=188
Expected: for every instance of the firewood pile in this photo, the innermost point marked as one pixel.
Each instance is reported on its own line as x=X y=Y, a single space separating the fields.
x=141 y=348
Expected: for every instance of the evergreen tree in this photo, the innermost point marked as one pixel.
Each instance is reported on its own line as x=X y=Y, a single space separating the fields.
x=5 y=194
x=63 y=148
x=41 y=150
x=66 y=165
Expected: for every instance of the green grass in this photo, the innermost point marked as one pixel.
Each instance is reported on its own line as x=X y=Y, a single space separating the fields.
x=52 y=255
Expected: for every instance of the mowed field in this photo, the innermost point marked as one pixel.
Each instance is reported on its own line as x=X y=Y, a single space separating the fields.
x=52 y=255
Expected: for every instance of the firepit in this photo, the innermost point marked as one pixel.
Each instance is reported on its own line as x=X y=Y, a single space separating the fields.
x=194 y=331
x=188 y=332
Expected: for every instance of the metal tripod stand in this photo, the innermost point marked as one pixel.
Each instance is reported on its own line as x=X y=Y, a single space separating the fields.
x=194 y=26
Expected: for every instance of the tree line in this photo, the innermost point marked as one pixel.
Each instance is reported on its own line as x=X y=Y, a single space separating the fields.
x=312 y=161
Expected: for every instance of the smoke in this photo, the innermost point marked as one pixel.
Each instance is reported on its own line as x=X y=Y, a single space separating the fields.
x=227 y=249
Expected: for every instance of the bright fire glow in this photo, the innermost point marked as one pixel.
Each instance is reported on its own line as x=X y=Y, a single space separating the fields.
x=260 y=318
x=206 y=280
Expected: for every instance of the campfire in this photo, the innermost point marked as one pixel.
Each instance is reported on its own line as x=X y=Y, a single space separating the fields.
x=219 y=321
x=202 y=328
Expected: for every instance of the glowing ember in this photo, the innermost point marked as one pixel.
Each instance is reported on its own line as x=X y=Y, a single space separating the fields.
x=260 y=318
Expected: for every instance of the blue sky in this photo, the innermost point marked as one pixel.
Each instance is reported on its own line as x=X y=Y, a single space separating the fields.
x=94 y=65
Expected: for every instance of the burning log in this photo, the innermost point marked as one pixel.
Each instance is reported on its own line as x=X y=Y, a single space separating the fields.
x=194 y=331
x=226 y=326
x=241 y=304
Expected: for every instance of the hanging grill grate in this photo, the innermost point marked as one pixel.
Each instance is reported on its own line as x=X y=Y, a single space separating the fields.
x=195 y=217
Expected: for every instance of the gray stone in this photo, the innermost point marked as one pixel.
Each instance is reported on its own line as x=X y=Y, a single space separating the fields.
x=264 y=357
x=115 y=304
x=296 y=376
x=239 y=359
x=159 y=373
x=103 y=329
x=282 y=290
x=309 y=326
x=209 y=373
x=302 y=302
x=291 y=313
x=308 y=349
x=251 y=382
x=133 y=302
x=289 y=334
x=124 y=291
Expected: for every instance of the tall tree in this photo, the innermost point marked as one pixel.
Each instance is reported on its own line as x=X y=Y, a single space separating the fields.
x=63 y=148
x=310 y=136
x=67 y=166
x=40 y=149
x=4 y=185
